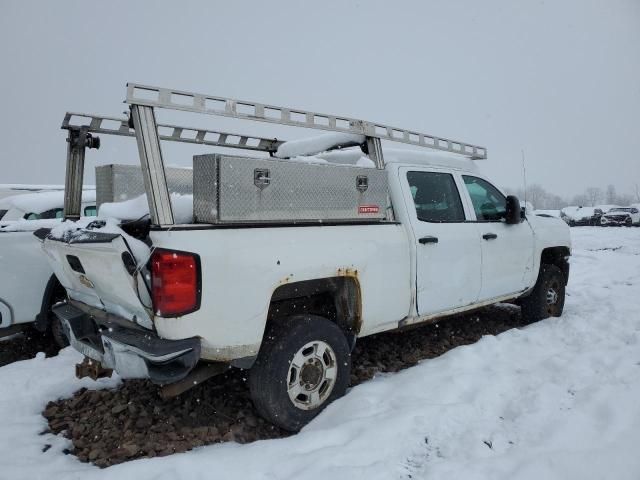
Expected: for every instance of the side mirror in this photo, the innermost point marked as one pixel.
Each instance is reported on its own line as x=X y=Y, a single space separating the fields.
x=513 y=214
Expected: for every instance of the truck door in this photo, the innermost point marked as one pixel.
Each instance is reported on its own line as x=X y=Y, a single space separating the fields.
x=448 y=257
x=507 y=250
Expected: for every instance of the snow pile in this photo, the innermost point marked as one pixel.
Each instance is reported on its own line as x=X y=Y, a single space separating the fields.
x=555 y=400
x=28 y=225
x=317 y=144
x=578 y=213
x=83 y=228
x=138 y=207
x=43 y=201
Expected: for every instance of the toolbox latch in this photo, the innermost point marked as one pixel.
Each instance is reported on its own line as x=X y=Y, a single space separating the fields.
x=362 y=183
x=261 y=178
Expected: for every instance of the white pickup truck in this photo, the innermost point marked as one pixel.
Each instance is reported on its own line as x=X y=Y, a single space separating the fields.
x=282 y=271
x=28 y=287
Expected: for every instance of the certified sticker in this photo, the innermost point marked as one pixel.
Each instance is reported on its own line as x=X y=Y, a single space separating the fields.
x=368 y=209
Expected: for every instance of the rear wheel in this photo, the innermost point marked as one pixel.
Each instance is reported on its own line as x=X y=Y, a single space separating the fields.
x=547 y=298
x=303 y=365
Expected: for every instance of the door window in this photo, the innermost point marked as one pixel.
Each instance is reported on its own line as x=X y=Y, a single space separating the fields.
x=488 y=203
x=436 y=197
x=90 y=211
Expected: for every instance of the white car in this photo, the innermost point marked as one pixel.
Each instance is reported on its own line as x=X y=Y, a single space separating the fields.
x=28 y=287
x=289 y=261
x=41 y=206
x=581 y=216
x=619 y=216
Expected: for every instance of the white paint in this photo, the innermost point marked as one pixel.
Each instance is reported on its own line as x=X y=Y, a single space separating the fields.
x=242 y=267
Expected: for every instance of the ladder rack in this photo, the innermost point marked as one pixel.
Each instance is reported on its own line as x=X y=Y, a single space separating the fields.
x=150 y=96
x=174 y=133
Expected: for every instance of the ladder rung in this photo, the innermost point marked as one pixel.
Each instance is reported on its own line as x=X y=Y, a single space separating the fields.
x=200 y=103
x=173 y=133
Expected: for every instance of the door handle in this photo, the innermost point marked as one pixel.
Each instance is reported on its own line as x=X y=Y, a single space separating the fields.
x=489 y=236
x=429 y=239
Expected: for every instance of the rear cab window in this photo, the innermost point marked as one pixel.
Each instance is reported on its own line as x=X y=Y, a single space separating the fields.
x=436 y=197
x=3 y=213
x=489 y=204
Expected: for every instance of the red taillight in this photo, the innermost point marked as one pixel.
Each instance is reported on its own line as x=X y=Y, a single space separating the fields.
x=175 y=279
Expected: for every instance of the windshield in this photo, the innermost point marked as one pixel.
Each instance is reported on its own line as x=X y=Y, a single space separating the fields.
x=621 y=209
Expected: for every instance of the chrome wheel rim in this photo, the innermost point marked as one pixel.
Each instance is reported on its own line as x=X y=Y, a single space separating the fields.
x=312 y=375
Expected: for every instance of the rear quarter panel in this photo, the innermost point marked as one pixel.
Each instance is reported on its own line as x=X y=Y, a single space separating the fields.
x=242 y=267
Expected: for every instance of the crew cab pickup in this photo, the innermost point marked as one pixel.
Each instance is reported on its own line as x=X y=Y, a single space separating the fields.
x=287 y=264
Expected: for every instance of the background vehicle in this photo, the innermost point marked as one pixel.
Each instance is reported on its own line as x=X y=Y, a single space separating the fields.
x=290 y=260
x=28 y=287
x=580 y=216
x=626 y=216
x=44 y=205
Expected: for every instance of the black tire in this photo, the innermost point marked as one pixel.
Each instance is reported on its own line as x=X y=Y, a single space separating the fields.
x=547 y=298
x=273 y=375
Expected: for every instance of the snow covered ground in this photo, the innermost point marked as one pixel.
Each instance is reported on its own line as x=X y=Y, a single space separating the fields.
x=559 y=399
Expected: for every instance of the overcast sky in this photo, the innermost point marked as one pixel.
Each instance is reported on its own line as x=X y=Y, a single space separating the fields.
x=557 y=79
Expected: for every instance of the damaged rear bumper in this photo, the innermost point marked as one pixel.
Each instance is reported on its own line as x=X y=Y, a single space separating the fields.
x=131 y=352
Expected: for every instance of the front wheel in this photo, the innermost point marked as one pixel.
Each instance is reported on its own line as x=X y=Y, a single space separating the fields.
x=303 y=365
x=547 y=298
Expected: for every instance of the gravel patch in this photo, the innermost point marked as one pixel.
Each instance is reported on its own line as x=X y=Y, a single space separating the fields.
x=108 y=427
x=26 y=345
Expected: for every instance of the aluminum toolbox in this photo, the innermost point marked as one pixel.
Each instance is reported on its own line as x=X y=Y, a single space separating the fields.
x=117 y=183
x=232 y=189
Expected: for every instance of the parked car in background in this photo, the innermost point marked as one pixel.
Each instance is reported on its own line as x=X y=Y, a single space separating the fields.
x=578 y=216
x=606 y=207
x=28 y=287
x=12 y=189
x=626 y=216
x=41 y=206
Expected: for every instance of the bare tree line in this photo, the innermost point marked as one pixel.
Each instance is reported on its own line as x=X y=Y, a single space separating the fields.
x=541 y=199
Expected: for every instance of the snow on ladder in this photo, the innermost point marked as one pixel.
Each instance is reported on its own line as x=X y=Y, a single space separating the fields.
x=200 y=103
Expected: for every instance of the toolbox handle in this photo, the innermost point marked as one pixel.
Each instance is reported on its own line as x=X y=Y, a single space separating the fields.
x=362 y=183
x=261 y=178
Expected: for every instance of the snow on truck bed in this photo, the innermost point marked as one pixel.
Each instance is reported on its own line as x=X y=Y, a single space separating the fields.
x=555 y=400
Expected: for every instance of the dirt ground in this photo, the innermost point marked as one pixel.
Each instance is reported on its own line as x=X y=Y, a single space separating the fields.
x=112 y=426
x=26 y=345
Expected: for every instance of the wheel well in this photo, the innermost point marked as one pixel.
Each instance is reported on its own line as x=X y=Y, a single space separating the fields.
x=335 y=298
x=558 y=256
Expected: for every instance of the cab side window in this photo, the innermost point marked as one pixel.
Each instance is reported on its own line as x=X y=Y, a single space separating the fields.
x=90 y=211
x=488 y=203
x=53 y=213
x=436 y=197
